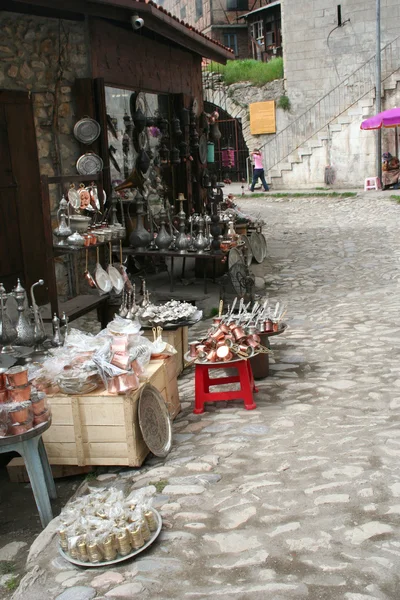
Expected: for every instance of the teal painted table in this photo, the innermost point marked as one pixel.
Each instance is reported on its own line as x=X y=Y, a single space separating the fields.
x=30 y=447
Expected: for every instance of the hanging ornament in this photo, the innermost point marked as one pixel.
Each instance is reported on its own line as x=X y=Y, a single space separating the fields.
x=139 y=120
x=185 y=117
x=128 y=125
x=150 y=122
x=143 y=161
x=175 y=156
x=215 y=133
x=176 y=126
x=164 y=154
x=183 y=150
x=163 y=126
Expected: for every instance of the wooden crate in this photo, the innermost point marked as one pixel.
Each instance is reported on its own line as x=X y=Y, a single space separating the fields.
x=178 y=338
x=102 y=429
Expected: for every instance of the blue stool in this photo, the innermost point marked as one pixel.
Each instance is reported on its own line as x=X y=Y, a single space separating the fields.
x=30 y=446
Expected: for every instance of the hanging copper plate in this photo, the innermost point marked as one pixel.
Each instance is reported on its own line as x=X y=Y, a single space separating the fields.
x=154 y=421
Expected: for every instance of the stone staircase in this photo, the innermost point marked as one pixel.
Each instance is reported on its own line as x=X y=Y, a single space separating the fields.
x=297 y=156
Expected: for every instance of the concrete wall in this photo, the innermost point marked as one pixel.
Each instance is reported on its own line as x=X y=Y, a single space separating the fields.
x=314 y=64
x=29 y=55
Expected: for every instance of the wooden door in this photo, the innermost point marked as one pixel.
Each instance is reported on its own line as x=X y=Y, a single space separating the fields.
x=22 y=240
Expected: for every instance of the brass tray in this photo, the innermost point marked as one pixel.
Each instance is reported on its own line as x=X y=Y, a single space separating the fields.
x=104 y=563
x=189 y=359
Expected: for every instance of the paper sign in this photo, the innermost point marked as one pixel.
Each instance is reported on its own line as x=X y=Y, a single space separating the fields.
x=262 y=117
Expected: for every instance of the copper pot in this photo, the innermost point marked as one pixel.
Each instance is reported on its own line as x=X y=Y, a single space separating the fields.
x=42 y=418
x=19 y=394
x=232 y=326
x=20 y=413
x=251 y=342
x=17 y=376
x=39 y=404
x=212 y=356
x=223 y=353
x=225 y=329
x=238 y=333
x=3 y=396
x=268 y=325
x=275 y=326
x=217 y=320
x=217 y=335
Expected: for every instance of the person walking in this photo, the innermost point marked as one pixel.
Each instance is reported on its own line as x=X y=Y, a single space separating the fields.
x=258 y=170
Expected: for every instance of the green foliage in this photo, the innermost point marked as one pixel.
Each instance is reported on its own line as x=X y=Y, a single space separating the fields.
x=6 y=567
x=396 y=198
x=257 y=72
x=11 y=584
x=159 y=485
x=213 y=312
x=284 y=102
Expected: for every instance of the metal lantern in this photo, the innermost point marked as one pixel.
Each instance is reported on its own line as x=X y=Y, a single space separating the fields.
x=176 y=126
x=175 y=156
x=164 y=154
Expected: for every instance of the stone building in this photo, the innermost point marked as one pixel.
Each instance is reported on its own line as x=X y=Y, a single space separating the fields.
x=222 y=21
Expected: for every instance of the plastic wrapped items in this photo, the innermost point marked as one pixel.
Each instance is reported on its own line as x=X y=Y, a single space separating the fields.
x=75 y=381
x=19 y=412
x=17 y=376
x=19 y=394
x=3 y=421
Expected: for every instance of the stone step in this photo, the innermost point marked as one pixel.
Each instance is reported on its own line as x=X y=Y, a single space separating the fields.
x=335 y=127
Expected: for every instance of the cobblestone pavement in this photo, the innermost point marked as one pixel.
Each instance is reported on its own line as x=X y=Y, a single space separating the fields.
x=301 y=497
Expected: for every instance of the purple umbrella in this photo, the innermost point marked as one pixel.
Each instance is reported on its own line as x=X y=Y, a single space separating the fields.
x=387 y=118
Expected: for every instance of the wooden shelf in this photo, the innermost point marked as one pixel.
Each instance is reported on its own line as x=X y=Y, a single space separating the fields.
x=76 y=307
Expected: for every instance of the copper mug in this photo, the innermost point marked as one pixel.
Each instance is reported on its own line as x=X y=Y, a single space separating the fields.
x=17 y=376
x=238 y=333
x=225 y=329
x=268 y=325
x=275 y=326
x=217 y=335
x=212 y=356
x=19 y=394
x=3 y=379
x=20 y=413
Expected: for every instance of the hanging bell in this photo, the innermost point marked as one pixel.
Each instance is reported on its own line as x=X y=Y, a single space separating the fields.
x=176 y=126
x=215 y=133
x=175 y=156
x=164 y=154
x=139 y=120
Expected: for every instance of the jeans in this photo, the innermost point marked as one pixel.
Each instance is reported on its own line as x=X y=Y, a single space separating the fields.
x=259 y=173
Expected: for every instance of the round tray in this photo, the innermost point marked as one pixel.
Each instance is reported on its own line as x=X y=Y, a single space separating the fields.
x=189 y=359
x=282 y=328
x=80 y=563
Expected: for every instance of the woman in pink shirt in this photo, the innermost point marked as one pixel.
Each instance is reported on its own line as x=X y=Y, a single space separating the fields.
x=258 y=170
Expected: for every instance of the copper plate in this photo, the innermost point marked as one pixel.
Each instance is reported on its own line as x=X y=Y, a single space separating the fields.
x=257 y=247
x=154 y=421
x=104 y=563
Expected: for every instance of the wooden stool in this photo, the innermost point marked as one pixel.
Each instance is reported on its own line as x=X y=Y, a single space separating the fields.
x=203 y=382
x=372 y=183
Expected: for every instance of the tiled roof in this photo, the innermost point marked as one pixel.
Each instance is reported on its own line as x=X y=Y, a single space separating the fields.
x=196 y=31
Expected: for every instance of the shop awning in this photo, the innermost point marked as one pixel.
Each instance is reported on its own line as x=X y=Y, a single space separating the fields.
x=259 y=10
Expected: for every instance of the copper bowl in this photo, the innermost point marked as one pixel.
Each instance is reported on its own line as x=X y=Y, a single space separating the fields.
x=17 y=376
x=39 y=404
x=20 y=413
x=3 y=396
x=19 y=394
x=42 y=418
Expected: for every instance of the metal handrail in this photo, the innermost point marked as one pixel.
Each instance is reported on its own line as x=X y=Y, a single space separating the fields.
x=339 y=99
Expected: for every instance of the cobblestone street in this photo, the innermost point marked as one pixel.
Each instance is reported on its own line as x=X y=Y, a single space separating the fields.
x=301 y=497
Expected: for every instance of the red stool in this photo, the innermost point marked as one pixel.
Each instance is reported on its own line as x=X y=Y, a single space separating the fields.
x=203 y=382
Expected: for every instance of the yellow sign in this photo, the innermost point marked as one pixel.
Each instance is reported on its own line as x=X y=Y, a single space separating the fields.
x=262 y=117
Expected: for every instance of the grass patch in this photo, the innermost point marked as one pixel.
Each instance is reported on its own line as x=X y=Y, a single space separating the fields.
x=12 y=584
x=259 y=73
x=394 y=197
x=159 y=485
x=284 y=102
x=305 y=195
x=213 y=312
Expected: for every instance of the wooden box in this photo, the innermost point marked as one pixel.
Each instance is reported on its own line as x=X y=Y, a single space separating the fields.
x=103 y=429
x=178 y=338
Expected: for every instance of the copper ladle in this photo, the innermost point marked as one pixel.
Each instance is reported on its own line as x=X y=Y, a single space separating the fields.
x=87 y=275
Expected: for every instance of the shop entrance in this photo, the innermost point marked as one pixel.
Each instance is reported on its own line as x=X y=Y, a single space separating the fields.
x=231 y=151
x=22 y=239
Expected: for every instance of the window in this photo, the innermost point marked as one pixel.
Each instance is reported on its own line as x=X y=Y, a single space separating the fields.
x=237 y=4
x=199 y=9
x=257 y=31
x=183 y=12
x=270 y=38
x=230 y=40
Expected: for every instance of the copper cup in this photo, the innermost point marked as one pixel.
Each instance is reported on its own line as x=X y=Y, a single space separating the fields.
x=225 y=328
x=252 y=343
x=200 y=348
x=3 y=379
x=192 y=349
x=17 y=376
x=275 y=326
x=217 y=320
x=42 y=418
x=20 y=413
x=86 y=239
x=19 y=394
x=232 y=326
x=217 y=335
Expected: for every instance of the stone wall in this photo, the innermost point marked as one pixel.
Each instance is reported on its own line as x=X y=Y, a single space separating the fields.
x=31 y=52
x=317 y=56
x=235 y=100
